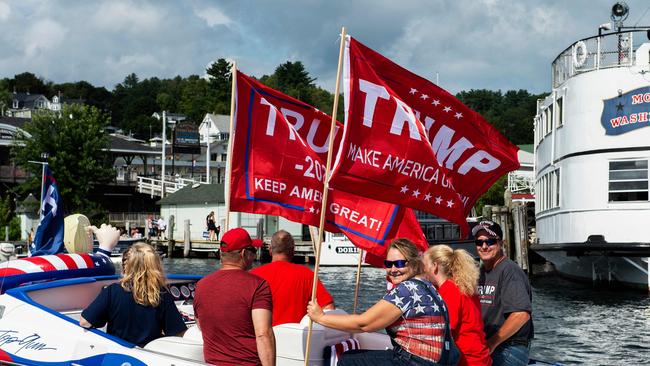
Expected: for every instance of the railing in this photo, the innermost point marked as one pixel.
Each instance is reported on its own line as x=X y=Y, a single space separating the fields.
x=154 y=186
x=521 y=182
x=606 y=51
x=135 y=219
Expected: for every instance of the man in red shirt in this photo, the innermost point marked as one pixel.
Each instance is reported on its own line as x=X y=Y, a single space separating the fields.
x=291 y=284
x=233 y=308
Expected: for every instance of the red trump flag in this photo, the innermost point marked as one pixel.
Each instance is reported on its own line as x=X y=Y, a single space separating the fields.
x=408 y=141
x=279 y=149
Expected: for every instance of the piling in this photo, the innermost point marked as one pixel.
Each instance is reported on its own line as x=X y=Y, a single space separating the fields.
x=187 y=245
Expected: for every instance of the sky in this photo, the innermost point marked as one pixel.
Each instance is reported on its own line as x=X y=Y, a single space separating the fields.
x=469 y=44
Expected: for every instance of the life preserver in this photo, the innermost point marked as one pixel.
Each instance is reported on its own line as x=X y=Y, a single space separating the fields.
x=50 y=267
x=579 y=54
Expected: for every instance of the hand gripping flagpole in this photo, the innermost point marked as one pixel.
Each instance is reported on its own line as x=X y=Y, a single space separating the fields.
x=233 y=75
x=323 y=208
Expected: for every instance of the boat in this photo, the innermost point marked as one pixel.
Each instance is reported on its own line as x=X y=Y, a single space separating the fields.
x=120 y=247
x=338 y=250
x=40 y=326
x=592 y=149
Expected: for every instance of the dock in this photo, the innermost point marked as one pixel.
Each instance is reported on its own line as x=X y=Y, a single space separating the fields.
x=304 y=251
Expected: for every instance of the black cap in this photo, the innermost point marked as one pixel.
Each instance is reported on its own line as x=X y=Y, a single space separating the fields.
x=492 y=228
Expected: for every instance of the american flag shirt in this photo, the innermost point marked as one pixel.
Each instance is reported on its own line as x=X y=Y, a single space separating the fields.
x=421 y=328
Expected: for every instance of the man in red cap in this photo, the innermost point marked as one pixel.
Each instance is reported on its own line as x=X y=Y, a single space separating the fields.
x=233 y=308
x=291 y=284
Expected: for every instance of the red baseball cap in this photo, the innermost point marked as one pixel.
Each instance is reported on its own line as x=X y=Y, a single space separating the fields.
x=237 y=239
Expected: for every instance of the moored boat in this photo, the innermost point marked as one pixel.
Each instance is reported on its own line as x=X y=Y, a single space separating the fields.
x=592 y=155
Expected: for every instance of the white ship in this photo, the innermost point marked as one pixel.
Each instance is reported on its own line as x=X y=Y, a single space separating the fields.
x=592 y=151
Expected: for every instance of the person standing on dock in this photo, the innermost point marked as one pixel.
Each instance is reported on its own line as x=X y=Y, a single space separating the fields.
x=290 y=283
x=233 y=308
x=506 y=299
x=162 y=226
x=212 y=228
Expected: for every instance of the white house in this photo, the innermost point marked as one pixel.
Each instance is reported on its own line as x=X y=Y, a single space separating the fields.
x=215 y=127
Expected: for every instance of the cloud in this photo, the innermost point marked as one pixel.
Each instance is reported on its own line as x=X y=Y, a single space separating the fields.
x=44 y=35
x=213 y=17
x=127 y=16
x=5 y=10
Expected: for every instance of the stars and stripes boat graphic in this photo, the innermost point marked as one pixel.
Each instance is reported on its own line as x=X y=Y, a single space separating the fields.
x=50 y=267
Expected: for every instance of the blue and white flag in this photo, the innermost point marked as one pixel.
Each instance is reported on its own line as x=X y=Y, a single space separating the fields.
x=49 y=234
x=626 y=112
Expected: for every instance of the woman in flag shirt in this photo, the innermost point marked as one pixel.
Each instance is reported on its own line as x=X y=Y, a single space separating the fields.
x=413 y=313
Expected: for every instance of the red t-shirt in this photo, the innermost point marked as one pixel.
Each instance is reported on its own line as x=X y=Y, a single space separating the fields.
x=466 y=325
x=291 y=288
x=223 y=302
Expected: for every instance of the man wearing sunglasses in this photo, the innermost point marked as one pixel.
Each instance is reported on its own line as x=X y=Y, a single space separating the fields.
x=506 y=298
x=233 y=308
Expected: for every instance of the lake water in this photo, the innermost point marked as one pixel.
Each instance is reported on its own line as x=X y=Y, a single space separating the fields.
x=575 y=324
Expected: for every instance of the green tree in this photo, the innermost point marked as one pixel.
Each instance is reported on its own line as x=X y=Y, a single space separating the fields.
x=28 y=82
x=8 y=218
x=221 y=85
x=493 y=196
x=5 y=98
x=292 y=79
x=196 y=98
x=77 y=148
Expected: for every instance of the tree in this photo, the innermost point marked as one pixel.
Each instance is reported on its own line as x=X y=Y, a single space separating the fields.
x=5 y=98
x=77 y=148
x=292 y=79
x=28 y=82
x=8 y=218
x=221 y=85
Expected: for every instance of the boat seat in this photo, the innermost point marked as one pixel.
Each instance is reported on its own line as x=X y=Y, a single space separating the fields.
x=177 y=346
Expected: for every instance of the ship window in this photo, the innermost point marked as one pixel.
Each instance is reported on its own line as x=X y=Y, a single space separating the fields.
x=558 y=112
x=549 y=119
x=628 y=180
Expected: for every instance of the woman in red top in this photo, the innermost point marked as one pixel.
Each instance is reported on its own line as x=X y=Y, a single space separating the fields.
x=455 y=275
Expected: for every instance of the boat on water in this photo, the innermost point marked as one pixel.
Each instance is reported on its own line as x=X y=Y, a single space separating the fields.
x=592 y=150
x=338 y=250
x=40 y=326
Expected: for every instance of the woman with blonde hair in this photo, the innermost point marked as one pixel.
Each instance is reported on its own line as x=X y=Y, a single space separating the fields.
x=455 y=275
x=412 y=313
x=138 y=308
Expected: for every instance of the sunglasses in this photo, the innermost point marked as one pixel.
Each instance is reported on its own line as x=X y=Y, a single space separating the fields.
x=400 y=263
x=490 y=242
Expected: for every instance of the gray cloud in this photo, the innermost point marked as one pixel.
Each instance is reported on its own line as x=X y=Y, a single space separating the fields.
x=494 y=44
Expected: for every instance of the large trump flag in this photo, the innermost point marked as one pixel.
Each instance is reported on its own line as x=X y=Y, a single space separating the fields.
x=280 y=147
x=408 y=141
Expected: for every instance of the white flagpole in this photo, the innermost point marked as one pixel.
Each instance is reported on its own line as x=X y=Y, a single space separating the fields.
x=233 y=75
x=323 y=209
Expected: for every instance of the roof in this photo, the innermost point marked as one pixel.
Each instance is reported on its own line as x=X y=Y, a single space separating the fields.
x=196 y=195
x=120 y=143
x=220 y=121
x=14 y=121
x=26 y=100
x=527 y=148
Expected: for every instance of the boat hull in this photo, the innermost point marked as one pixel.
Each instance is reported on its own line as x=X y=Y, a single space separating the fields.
x=609 y=264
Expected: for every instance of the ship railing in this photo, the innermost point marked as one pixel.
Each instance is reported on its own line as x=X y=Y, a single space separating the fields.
x=616 y=49
x=521 y=182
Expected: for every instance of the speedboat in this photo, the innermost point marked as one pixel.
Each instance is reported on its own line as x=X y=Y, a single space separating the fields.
x=40 y=326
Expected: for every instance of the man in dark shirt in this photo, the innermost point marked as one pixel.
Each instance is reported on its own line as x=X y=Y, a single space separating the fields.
x=506 y=299
x=233 y=308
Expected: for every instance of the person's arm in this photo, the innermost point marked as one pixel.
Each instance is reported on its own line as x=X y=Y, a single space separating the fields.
x=513 y=323
x=264 y=336
x=84 y=323
x=379 y=316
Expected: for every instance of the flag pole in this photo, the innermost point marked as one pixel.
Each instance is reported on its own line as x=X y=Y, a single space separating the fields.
x=233 y=75
x=356 y=288
x=323 y=209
